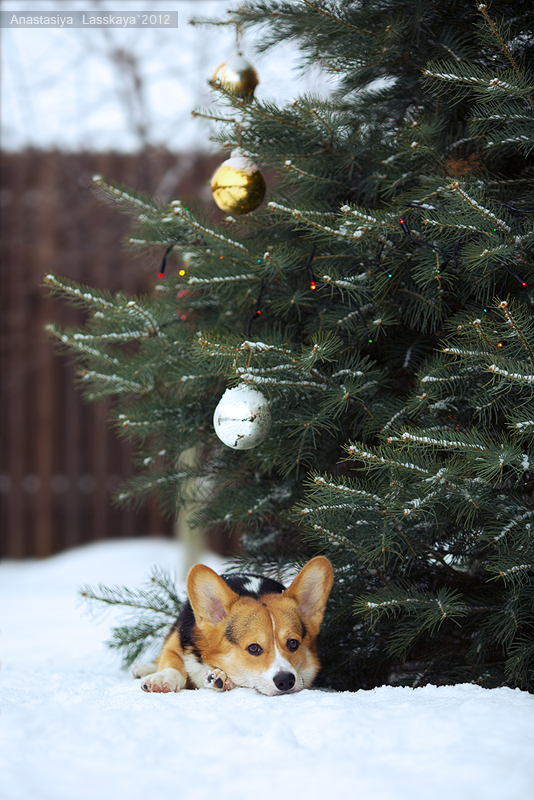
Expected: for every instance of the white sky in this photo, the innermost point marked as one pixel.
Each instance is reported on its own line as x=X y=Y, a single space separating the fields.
x=61 y=88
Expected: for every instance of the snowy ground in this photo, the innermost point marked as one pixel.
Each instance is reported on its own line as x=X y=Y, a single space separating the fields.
x=73 y=726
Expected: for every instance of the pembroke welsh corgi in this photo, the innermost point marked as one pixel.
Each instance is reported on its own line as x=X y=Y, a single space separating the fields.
x=243 y=630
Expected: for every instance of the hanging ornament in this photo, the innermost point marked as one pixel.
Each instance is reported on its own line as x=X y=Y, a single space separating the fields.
x=242 y=418
x=238 y=185
x=236 y=75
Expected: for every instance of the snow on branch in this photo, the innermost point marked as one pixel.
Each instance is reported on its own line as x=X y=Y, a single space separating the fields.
x=128 y=423
x=248 y=376
x=263 y=370
x=178 y=211
x=367 y=217
x=446 y=606
x=346 y=284
x=74 y=341
x=485 y=79
x=455 y=186
x=525 y=424
x=339 y=487
x=224 y=279
x=518 y=568
x=514 y=376
x=391 y=603
x=394 y=418
x=455 y=351
x=135 y=310
x=353 y=314
x=288 y=164
x=366 y=455
x=185 y=378
x=246 y=346
x=446 y=379
x=118 y=382
x=410 y=437
x=278 y=494
x=259 y=346
x=297 y=214
x=111 y=337
x=482 y=7
x=329 y=507
x=87 y=297
x=515 y=521
x=122 y=195
x=167 y=479
x=417 y=502
x=511 y=321
x=335 y=539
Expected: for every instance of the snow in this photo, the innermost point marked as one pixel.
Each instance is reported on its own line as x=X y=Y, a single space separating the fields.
x=241 y=163
x=76 y=727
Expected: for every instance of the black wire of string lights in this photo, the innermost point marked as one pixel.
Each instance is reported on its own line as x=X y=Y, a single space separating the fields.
x=255 y=314
x=421 y=243
x=163 y=262
x=509 y=271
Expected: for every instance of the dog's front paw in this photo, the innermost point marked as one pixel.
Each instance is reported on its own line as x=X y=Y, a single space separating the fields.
x=167 y=680
x=218 y=680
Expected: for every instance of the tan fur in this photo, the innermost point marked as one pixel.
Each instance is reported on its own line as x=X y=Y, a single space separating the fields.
x=227 y=624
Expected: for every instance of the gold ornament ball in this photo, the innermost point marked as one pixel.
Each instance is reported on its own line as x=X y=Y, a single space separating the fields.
x=237 y=76
x=238 y=185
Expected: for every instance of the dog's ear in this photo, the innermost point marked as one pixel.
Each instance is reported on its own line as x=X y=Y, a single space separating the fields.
x=311 y=588
x=209 y=595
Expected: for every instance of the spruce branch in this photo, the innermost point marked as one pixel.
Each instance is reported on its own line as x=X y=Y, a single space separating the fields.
x=378 y=342
x=134 y=202
x=510 y=319
x=339 y=21
x=187 y=216
x=78 y=293
x=150 y=610
x=504 y=48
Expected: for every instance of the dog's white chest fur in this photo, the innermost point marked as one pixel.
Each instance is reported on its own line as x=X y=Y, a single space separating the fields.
x=196 y=670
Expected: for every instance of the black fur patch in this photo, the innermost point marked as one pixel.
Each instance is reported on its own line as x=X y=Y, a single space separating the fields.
x=185 y=625
x=255 y=586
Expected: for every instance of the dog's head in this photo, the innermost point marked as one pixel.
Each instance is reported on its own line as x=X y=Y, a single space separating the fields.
x=268 y=643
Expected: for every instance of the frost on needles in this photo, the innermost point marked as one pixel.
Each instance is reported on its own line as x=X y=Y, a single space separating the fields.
x=391 y=264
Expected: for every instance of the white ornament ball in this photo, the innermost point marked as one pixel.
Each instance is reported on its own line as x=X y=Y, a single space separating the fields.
x=242 y=418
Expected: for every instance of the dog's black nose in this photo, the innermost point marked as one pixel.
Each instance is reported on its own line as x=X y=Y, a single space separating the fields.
x=284 y=681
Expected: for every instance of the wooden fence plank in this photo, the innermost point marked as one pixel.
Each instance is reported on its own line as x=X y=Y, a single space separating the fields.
x=59 y=460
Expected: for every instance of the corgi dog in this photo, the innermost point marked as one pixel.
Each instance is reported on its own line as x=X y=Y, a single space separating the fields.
x=243 y=630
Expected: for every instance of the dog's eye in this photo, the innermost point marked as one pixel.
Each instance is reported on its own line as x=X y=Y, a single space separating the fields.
x=255 y=649
x=293 y=644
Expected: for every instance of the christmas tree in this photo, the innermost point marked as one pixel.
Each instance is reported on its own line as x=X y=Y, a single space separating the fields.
x=380 y=300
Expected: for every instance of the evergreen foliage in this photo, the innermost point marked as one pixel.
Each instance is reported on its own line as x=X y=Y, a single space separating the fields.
x=401 y=386
x=152 y=611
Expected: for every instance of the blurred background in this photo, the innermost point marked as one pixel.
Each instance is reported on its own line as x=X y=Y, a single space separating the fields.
x=75 y=103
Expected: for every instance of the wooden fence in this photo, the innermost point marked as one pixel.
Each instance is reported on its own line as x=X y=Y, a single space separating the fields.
x=60 y=461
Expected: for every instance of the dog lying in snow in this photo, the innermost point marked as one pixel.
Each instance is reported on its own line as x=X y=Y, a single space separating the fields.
x=243 y=630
